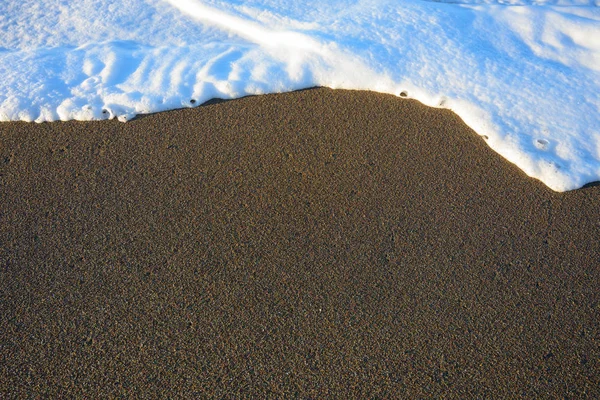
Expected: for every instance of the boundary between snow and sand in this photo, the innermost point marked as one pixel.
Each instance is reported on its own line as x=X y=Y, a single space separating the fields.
x=517 y=82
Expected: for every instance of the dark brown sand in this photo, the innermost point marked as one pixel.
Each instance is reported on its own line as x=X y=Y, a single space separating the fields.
x=315 y=244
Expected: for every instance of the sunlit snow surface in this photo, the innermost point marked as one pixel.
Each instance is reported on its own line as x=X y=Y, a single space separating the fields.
x=525 y=74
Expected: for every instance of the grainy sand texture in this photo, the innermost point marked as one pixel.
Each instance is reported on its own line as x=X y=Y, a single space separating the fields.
x=316 y=244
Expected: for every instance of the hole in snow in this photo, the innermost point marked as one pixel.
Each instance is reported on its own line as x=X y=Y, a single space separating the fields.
x=541 y=144
x=554 y=165
x=404 y=93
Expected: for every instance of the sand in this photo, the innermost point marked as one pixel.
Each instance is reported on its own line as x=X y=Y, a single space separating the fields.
x=313 y=244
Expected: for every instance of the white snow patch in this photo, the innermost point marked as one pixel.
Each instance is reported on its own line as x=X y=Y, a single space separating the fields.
x=523 y=74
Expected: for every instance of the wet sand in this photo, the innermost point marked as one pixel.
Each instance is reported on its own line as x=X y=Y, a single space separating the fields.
x=314 y=244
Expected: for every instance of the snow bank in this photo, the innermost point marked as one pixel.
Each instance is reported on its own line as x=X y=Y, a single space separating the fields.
x=524 y=75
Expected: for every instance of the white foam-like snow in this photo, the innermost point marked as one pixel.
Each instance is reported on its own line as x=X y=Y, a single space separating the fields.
x=524 y=74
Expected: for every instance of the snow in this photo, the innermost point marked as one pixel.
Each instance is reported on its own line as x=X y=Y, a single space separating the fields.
x=523 y=74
